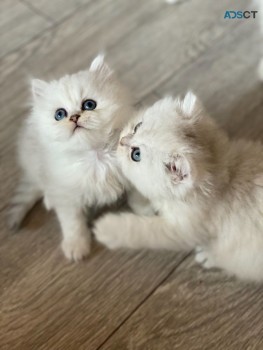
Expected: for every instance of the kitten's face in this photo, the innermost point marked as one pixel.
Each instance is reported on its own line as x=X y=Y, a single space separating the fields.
x=157 y=149
x=81 y=109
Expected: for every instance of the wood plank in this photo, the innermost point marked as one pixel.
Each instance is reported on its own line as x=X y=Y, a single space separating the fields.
x=195 y=309
x=57 y=10
x=224 y=77
x=251 y=126
x=163 y=46
x=48 y=303
x=18 y=25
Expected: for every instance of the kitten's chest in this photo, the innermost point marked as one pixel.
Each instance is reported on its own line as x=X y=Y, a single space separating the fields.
x=96 y=177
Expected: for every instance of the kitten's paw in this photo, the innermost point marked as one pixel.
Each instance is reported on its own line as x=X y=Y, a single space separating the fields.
x=76 y=248
x=204 y=258
x=108 y=231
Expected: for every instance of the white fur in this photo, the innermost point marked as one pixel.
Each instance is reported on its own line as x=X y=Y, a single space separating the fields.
x=71 y=169
x=207 y=189
x=188 y=104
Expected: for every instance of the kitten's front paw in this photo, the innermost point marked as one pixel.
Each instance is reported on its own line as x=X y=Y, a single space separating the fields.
x=108 y=231
x=204 y=257
x=76 y=248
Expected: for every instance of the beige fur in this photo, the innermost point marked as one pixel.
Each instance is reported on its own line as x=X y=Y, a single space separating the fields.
x=207 y=190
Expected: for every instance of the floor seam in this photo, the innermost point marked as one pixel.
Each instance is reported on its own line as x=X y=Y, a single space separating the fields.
x=37 y=11
x=181 y=70
x=143 y=301
x=48 y=29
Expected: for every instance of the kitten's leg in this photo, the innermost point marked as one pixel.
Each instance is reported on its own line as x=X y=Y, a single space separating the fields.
x=139 y=204
x=25 y=197
x=237 y=256
x=76 y=235
x=131 y=231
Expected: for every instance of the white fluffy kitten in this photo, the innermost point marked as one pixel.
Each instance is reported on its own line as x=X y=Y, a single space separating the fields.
x=207 y=189
x=67 y=150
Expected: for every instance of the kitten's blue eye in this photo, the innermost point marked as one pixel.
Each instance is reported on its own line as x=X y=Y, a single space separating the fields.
x=136 y=154
x=60 y=114
x=88 y=105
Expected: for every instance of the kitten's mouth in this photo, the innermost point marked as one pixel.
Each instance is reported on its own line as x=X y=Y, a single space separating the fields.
x=77 y=127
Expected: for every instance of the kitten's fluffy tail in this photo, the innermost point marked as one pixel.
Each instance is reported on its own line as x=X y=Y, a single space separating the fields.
x=25 y=197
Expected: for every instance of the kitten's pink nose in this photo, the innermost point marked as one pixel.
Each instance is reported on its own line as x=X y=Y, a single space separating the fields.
x=125 y=141
x=74 y=118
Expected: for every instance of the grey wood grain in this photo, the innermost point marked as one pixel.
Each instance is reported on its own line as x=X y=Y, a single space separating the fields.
x=48 y=303
x=18 y=25
x=225 y=78
x=195 y=309
x=59 y=9
x=170 y=40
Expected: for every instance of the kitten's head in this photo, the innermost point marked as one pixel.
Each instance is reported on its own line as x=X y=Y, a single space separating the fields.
x=165 y=150
x=82 y=109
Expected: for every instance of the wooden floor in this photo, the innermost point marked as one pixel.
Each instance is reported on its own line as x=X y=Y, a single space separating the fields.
x=124 y=300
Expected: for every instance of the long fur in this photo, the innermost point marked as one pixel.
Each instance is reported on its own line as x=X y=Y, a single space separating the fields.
x=72 y=169
x=207 y=189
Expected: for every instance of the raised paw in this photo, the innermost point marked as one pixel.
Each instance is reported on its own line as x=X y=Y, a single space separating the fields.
x=108 y=231
x=76 y=248
x=204 y=258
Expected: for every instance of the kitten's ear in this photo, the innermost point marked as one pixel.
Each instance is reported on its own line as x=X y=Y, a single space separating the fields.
x=99 y=65
x=178 y=168
x=38 y=87
x=191 y=106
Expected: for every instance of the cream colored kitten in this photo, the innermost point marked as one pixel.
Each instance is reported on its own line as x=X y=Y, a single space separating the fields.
x=67 y=150
x=207 y=189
